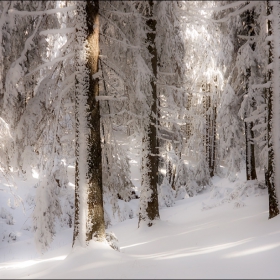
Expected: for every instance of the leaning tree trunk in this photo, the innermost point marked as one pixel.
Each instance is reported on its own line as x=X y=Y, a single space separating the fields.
x=89 y=216
x=272 y=128
x=149 y=211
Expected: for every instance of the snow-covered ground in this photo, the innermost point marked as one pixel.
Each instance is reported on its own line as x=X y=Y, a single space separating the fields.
x=190 y=241
x=223 y=232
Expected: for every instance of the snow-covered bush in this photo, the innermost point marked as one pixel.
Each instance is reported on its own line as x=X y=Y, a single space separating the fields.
x=9 y=237
x=67 y=210
x=30 y=199
x=236 y=194
x=112 y=240
x=107 y=218
x=7 y=216
x=181 y=193
x=46 y=212
x=166 y=195
x=190 y=177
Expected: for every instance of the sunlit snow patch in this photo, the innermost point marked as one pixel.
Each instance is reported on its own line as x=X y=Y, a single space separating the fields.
x=71 y=184
x=30 y=262
x=253 y=250
x=35 y=174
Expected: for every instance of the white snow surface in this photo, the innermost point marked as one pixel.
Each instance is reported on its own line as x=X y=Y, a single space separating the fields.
x=223 y=232
x=188 y=242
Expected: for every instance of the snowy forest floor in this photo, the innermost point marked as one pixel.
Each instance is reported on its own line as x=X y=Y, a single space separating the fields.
x=223 y=232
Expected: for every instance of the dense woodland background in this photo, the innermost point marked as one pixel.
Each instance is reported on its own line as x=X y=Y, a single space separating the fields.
x=194 y=83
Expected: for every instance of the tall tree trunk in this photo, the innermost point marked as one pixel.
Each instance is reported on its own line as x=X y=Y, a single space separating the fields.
x=188 y=118
x=89 y=216
x=210 y=130
x=249 y=133
x=212 y=166
x=273 y=201
x=5 y=6
x=149 y=196
x=213 y=140
x=250 y=152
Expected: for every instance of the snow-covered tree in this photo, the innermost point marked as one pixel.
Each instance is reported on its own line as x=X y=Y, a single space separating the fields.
x=149 y=211
x=273 y=24
x=89 y=214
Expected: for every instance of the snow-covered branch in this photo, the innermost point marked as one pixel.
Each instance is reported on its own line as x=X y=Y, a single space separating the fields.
x=110 y=98
x=237 y=12
x=57 y=31
x=51 y=63
x=41 y=13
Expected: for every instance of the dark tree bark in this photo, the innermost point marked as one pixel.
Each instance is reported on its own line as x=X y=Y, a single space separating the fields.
x=249 y=133
x=188 y=119
x=212 y=157
x=170 y=171
x=88 y=192
x=210 y=130
x=270 y=176
x=213 y=142
x=250 y=152
x=151 y=135
x=207 y=101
